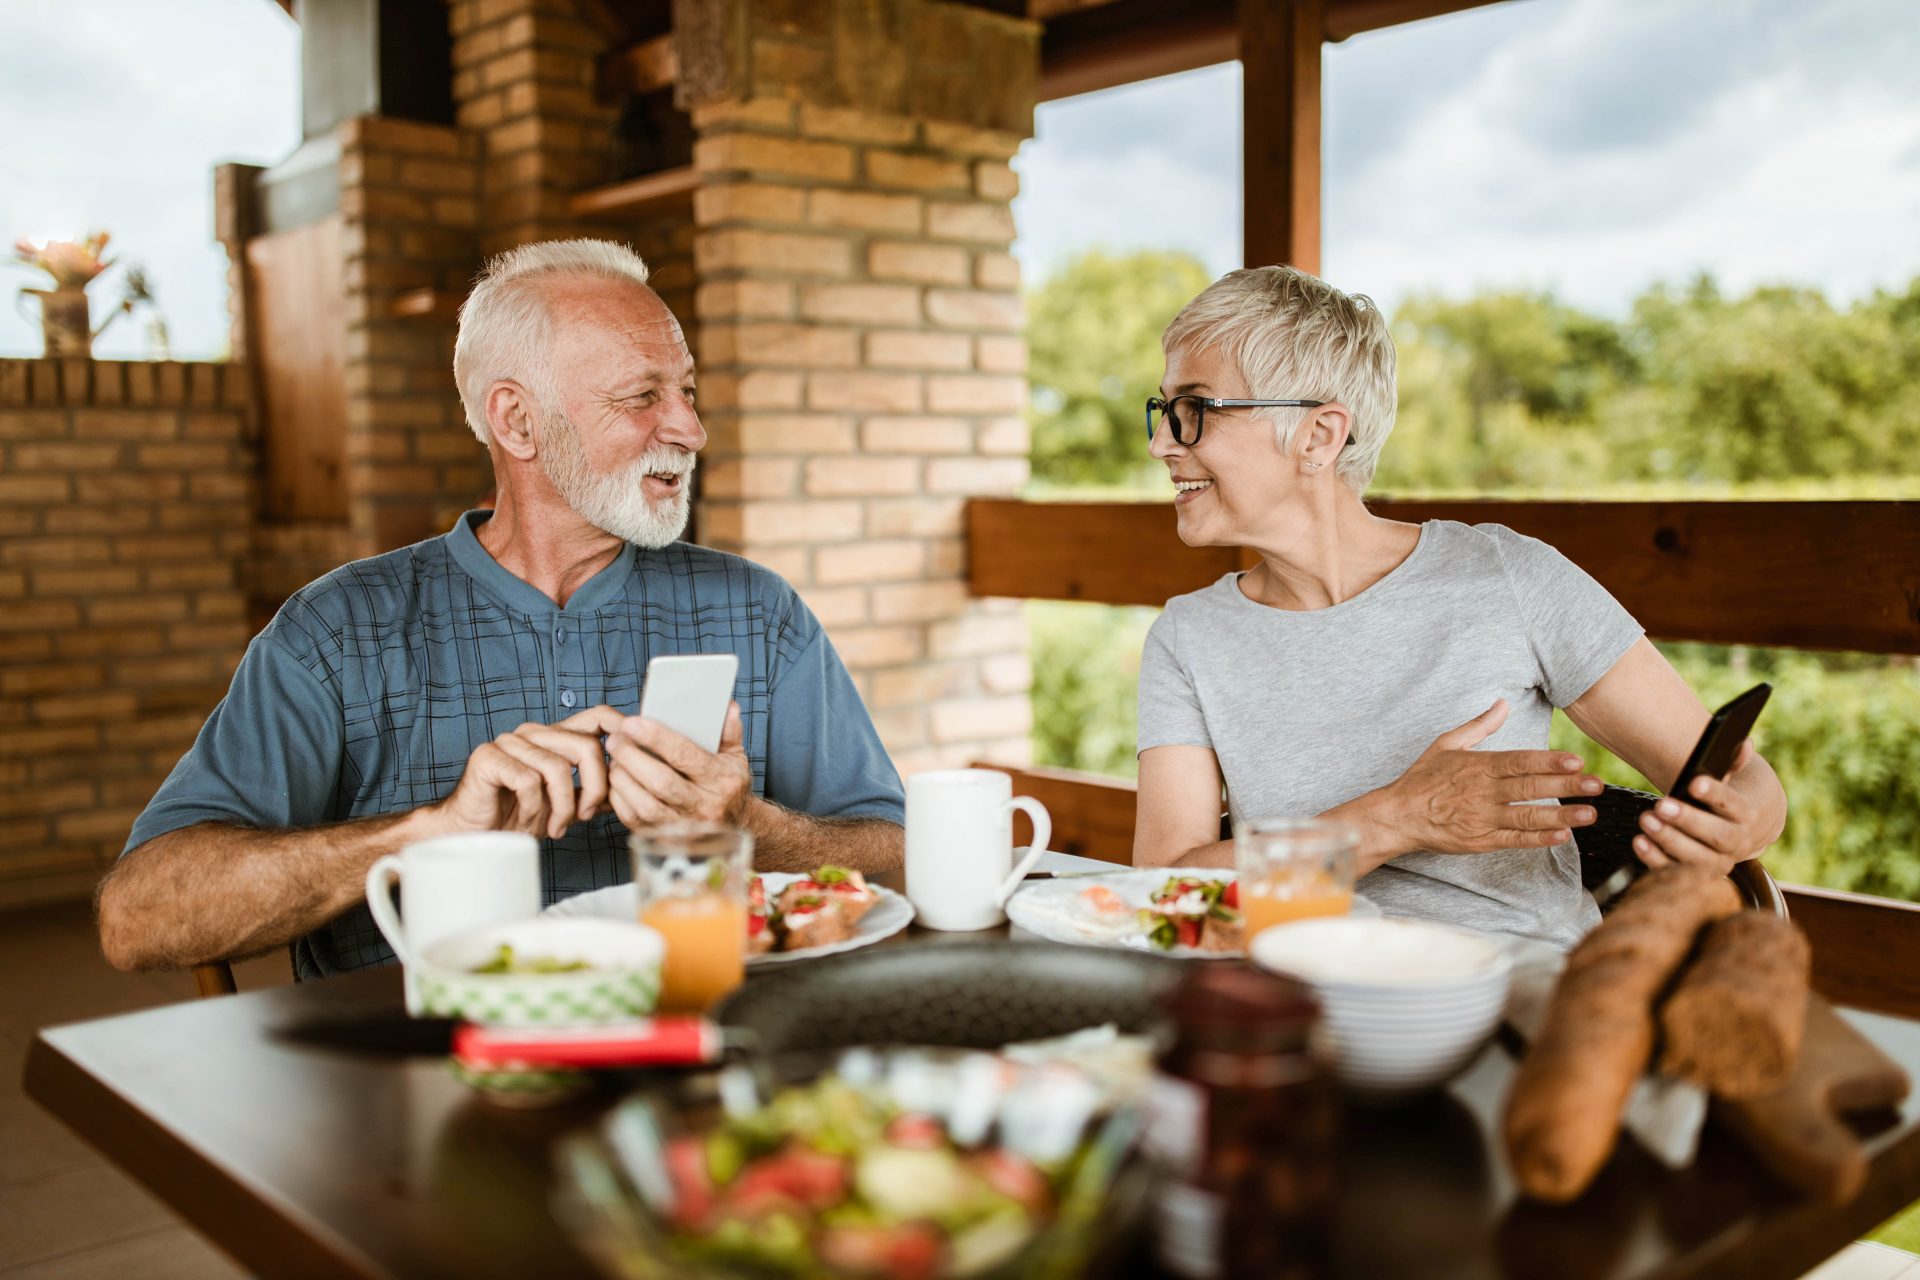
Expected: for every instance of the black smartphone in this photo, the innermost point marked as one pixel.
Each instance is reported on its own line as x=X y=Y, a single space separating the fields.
x=1720 y=741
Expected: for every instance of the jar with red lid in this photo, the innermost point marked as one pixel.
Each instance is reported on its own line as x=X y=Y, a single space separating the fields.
x=1244 y=1118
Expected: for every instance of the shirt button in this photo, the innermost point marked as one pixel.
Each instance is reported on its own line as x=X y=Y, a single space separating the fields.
x=566 y=697
x=560 y=636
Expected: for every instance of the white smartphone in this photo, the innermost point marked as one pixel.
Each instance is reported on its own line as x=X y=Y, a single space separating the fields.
x=689 y=693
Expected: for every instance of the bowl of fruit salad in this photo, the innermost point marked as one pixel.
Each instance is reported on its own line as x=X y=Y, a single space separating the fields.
x=916 y=1163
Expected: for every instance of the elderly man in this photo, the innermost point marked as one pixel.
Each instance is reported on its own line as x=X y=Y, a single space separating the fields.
x=483 y=680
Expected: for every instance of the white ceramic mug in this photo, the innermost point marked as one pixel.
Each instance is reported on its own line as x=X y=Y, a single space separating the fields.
x=450 y=885
x=960 y=869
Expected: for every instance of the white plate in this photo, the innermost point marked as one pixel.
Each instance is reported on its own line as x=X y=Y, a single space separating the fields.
x=889 y=915
x=1049 y=909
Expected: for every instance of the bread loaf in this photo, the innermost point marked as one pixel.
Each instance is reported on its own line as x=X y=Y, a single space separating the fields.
x=1735 y=1021
x=1563 y=1113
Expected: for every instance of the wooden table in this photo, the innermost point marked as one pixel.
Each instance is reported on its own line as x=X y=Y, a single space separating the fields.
x=303 y=1158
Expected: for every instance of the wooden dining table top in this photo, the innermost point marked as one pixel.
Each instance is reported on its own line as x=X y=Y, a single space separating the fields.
x=310 y=1132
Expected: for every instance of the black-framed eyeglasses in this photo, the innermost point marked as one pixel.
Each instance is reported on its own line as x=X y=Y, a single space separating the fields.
x=1187 y=415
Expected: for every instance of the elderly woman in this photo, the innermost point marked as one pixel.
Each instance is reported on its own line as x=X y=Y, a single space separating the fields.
x=1397 y=677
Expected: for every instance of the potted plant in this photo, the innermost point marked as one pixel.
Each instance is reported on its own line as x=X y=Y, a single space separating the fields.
x=73 y=264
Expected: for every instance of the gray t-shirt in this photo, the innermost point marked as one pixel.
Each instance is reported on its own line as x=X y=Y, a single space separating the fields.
x=1306 y=710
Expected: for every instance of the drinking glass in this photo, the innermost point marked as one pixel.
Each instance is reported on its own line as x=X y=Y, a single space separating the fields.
x=693 y=879
x=1293 y=869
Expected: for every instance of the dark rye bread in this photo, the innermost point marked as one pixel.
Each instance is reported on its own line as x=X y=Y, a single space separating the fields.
x=1563 y=1113
x=1735 y=1021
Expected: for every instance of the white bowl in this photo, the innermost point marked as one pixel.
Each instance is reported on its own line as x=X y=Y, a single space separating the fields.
x=621 y=982
x=1406 y=1004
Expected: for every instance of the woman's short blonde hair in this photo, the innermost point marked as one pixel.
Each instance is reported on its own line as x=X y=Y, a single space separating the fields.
x=1295 y=337
x=506 y=329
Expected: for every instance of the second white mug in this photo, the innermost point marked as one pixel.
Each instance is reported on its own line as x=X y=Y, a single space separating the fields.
x=451 y=884
x=960 y=869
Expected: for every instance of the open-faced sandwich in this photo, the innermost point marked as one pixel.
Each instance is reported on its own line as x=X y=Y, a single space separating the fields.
x=821 y=909
x=1188 y=911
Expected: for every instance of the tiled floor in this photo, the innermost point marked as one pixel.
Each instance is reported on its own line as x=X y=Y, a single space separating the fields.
x=64 y=1211
x=67 y=1213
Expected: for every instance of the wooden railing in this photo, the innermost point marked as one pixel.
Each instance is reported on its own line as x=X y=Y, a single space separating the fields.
x=1817 y=575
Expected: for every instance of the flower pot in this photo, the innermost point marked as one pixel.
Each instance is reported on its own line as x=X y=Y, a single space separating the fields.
x=65 y=320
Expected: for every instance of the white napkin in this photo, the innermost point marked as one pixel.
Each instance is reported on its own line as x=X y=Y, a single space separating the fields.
x=1663 y=1115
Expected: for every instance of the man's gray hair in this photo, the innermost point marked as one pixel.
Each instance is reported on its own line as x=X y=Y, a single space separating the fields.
x=506 y=326
x=1295 y=337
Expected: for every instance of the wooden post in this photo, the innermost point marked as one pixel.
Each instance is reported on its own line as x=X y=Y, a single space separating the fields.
x=1280 y=111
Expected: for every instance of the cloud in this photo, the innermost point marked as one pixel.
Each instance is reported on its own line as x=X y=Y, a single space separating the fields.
x=1588 y=146
x=113 y=114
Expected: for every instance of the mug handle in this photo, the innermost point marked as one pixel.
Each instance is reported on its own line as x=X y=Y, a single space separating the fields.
x=381 y=877
x=1042 y=832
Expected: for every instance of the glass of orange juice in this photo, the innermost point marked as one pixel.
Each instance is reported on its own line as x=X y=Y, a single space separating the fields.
x=1293 y=869
x=693 y=889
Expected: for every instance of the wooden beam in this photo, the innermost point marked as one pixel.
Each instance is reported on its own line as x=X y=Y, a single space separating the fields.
x=1111 y=47
x=1280 y=132
x=1811 y=575
x=1866 y=950
x=640 y=68
x=1350 y=17
x=655 y=191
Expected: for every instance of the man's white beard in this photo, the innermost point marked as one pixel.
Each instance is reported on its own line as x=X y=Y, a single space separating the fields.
x=617 y=503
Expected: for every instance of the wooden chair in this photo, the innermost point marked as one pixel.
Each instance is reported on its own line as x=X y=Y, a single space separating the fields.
x=215 y=979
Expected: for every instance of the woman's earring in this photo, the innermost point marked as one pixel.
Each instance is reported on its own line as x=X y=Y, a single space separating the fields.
x=1315 y=466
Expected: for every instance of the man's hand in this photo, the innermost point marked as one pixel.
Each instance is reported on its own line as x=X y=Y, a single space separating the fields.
x=1730 y=829
x=523 y=781
x=659 y=776
x=1457 y=800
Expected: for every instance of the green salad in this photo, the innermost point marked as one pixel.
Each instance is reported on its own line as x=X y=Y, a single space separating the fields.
x=504 y=961
x=829 y=1181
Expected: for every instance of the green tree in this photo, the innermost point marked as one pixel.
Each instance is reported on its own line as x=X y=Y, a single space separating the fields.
x=1094 y=342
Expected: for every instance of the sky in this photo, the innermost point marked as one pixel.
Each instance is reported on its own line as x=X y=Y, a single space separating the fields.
x=1591 y=147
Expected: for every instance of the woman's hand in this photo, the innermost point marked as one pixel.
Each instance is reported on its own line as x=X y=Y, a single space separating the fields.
x=1730 y=829
x=1457 y=800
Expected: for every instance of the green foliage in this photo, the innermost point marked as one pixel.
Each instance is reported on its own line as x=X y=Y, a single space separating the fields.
x=1692 y=394
x=1094 y=358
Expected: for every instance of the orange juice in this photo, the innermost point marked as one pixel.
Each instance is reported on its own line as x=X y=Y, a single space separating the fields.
x=1265 y=905
x=706 y=938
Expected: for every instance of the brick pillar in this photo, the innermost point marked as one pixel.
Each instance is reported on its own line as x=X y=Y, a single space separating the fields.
x=409 y=208
x=863 y=365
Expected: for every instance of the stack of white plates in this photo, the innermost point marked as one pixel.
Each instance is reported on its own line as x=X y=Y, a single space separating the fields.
x=1406 y=1004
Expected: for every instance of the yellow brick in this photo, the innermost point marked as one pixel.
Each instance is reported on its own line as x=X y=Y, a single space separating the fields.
x=918 y=601
x=850 y=477
x=1006 y=436
x=991 y=144
x=790 y=253
x=921 y=517
x=894 y=350
x=64 y=457
x=809 y=346
x=864 y=211
x=1000 y=355
x=754 y=433
x=847 y=125
x=995 y=180
x=756 y=389
x=750 y=478
x=922 y=263
x=981 y=477
x=758 y=299
x=779 y=523
x=879 y=392
x=838 y=606
x=764 y=113
x=983 y=222
x=124 y=424
x=1007 y=673
x=907 y=171
x=878 y=646
x=976 y=393
x=993 y=270
x=871 y=561
x=974 y=309
x=760 y=153
x=916 y=434
x=977 y=634
x=921 y=684
x=861 y=303
x=748 y=202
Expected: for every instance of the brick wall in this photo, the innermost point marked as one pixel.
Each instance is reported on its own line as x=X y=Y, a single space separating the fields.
x=863 y=364
x=125 y=509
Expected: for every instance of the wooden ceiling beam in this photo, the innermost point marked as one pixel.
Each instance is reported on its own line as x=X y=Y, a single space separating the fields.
x=1351 y=17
